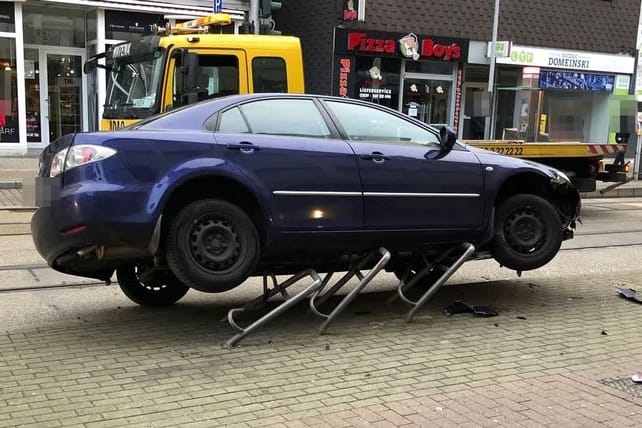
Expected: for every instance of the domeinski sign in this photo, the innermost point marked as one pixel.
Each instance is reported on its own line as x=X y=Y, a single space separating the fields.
x=569 y=60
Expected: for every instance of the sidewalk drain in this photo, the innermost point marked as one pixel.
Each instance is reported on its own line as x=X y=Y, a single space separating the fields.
x=625 y=384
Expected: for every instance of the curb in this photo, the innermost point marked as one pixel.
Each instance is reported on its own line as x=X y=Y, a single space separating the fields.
x=10 y=185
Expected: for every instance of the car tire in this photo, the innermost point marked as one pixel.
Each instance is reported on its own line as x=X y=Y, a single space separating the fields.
x=528 y=232
x=212 y=245
x=162 y=288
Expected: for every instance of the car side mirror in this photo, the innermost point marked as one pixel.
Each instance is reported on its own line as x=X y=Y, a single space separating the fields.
x=447 y=137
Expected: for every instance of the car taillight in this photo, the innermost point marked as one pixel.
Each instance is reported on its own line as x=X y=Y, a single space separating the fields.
x=74 y=156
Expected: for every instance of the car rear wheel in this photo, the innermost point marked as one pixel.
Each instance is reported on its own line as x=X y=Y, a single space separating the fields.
x=150 y=287
x=212 y=245
x=528 y=232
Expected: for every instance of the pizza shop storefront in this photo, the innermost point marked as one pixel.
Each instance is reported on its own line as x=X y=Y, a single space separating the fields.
x=418 y=75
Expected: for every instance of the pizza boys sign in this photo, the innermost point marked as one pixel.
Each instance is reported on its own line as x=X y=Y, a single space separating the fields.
x=408 y=45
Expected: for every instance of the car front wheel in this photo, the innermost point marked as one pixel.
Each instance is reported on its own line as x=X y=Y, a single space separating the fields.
x=528 y=232
x=149 y=287
x=212 y=245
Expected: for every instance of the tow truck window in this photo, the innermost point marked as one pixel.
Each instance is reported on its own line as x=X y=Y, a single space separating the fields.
x=218 y=76
x=269 y=75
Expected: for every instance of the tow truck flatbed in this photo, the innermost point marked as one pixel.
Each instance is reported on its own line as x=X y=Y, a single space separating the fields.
x=565 y=149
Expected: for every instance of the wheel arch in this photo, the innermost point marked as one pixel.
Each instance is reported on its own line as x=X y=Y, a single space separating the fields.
x=220 y=187
x=561 y=194
x=530 y=182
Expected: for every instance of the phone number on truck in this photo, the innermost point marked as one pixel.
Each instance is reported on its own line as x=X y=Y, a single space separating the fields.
x=510 y=151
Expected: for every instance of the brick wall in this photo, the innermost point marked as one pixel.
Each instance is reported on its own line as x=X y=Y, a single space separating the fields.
x=313 y=22
x=591 y=25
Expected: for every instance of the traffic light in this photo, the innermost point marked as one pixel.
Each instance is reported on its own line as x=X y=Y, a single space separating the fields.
x=269 y=6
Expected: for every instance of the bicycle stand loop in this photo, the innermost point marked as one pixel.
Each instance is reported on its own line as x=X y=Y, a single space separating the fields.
x=364 y=281
x=280 y=309
x=467 y=251
x=448 y=262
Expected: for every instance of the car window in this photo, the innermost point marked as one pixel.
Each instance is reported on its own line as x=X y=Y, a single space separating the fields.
x=285 y=117
x=363 y=123
x=232 y=122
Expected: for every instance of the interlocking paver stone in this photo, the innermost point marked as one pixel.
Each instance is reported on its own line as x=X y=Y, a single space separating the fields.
x=160 y=370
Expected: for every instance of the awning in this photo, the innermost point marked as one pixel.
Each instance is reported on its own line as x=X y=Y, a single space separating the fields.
x=157 y=7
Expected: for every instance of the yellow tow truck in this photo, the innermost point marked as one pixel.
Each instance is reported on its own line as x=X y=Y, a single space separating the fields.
x=190 y=62
x=582 y=162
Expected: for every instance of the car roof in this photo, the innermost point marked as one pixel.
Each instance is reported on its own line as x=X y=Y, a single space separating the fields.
x=194 y=115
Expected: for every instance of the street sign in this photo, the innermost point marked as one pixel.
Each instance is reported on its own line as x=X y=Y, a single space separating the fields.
x=218 y=6
x=502 y=49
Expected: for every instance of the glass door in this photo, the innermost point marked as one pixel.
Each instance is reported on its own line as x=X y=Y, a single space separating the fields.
x=64 y=102
x=33 y=84
x=427 y=100
x=476 y=118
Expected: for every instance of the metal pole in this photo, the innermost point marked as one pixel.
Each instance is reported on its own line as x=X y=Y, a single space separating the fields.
x=254 y=16
x=491 y=71
x=493 y=50
x=637 y=86
x=636 y=164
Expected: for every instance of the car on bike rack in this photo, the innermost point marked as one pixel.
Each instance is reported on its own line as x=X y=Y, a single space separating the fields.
x=207 y=195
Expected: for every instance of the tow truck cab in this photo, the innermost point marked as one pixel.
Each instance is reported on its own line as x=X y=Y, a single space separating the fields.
x=189 y=63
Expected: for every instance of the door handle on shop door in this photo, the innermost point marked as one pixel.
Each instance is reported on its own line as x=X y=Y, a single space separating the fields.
x=376 y=157
x=244 y=147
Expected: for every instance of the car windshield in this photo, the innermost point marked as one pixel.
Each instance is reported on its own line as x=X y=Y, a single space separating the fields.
x=134 y=85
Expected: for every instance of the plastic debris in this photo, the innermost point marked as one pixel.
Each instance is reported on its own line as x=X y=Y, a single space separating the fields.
x=629 y=294
x=460 y=307
x=637 y=378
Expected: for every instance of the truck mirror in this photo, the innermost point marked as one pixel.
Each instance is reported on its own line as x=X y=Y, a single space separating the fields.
x=191 y=62
x=185 y=76
x=89 y=67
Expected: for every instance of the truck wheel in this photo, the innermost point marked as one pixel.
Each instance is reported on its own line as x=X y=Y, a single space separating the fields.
x=158 y=288
x=528 y=232
x=212 y=246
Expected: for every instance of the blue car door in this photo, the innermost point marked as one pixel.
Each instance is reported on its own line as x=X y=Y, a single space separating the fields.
x=409 y=182
x=286 y=148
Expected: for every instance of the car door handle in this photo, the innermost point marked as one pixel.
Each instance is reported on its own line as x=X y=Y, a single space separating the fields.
x=376 y=157
x=244 y=147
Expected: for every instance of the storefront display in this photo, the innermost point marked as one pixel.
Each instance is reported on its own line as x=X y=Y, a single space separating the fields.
x=414 y=74
x=9 y=129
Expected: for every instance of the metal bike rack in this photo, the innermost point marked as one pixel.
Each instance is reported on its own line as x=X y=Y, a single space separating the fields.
x=448 y=271
x=448 y=262
x=279 y=288
x=355 y=271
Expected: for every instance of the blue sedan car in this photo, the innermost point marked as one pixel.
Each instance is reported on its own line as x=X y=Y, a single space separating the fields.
x=204 y=196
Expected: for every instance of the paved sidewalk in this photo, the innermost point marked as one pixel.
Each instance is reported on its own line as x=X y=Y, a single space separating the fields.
x=543 y=362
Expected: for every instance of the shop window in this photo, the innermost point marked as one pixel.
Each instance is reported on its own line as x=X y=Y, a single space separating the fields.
x=269 y=75
x=477 y=74
x=53 y=26
x=8 y=92
x=128 y=26
x=429 y=67
x=377 y=80
x=7 y=18
x=91 y=22
x=218 y=76
x=286 y=117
